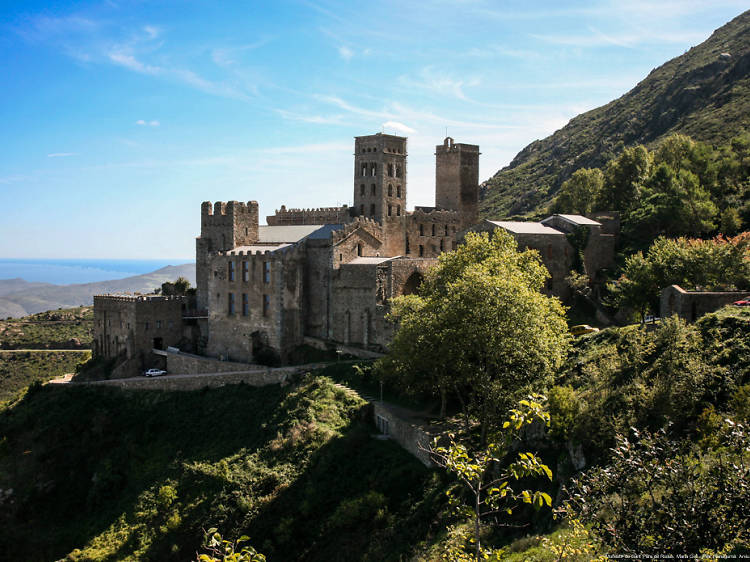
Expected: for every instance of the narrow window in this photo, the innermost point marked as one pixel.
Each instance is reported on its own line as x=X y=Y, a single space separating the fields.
x=266 y=271
x=158 y=324
x=390 y=190
x=372 y=189
x=362 y=189
x=389 y=210
x=372 y=210
x=398 y=210
x=446 y=230
x=147 y=326
x=421 y=230
x=408 y=250
x=361 y=209
x=442 y=245
x=245 y=272
x=364 y=170
x=266 y=304
x=421 y=250
x=398 y=171
x=433 y=229
x=398 y=191
x=374 y=169
x=230 y=303
x=230 y=270
x=359 y=249
x=245 y=306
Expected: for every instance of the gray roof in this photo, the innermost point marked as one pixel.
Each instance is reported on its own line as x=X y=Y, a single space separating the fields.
x=290 y=234
x=578 y=220
x=518 y=227
x=260 y=248
x=368 y=261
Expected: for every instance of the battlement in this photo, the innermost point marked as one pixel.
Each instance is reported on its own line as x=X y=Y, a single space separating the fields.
x=135 y=298
x=450 y=146
x=228 y=208
x=370 y=225
x=320 y=215
x=248 y=253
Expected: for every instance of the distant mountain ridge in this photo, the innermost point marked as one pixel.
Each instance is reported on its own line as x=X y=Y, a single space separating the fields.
x=20 y=298
x=704 y=93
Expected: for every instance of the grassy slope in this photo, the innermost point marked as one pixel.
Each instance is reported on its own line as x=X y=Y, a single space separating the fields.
x=19 y=369
x=144 y=472
x=49 y=330
x=697 y=94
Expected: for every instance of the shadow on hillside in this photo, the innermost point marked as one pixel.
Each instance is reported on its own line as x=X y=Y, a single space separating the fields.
x=98 y=463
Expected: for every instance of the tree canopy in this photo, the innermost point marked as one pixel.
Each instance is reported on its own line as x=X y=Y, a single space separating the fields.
x=479 y=327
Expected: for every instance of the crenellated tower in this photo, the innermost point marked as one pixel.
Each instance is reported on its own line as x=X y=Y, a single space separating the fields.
x=457 y=180
x=224 y=226
x=379 y=176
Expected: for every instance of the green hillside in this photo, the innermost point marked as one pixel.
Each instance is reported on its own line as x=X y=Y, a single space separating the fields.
x=703 y=93
x=139 y=475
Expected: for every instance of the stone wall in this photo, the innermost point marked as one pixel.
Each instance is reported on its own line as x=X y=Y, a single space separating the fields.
x=428 y=234
x=457 y=180
x=691 y=305
x=262 y=377
x=184 y=364
x=404 y=432
x=321 y=215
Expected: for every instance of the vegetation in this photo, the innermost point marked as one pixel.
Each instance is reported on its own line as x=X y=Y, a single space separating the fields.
x=294 y=466
x=20 y=369
x=701 y=94
x=55 y=329
x=460 y=334
x=719 y=264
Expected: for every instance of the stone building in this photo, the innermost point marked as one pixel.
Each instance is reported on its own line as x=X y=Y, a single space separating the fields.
x=691 y=305
x=328 y=274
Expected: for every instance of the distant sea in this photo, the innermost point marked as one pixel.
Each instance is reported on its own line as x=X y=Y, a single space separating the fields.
x=69 y=271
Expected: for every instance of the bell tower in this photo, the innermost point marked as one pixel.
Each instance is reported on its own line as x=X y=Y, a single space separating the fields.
x=457 y=180
x=379 y=176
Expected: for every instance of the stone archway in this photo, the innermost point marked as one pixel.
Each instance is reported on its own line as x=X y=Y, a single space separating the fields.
x=412 y=283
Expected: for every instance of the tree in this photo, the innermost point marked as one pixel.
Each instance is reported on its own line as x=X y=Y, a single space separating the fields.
x=660 y=496
x=481 y=313
x=624 y=178
x=222 y=550
x=490 y=486
x=577 y=194
x=179 y=287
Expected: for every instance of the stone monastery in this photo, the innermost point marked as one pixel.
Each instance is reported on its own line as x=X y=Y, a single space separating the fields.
x=326 y=276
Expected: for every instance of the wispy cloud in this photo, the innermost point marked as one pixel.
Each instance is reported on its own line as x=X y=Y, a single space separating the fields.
x=61 y=154
x=314 y=118
x=144 y=123
x=346 y=53
x=396 y=126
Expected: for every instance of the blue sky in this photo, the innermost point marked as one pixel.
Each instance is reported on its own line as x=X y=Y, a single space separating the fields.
x=120 y=117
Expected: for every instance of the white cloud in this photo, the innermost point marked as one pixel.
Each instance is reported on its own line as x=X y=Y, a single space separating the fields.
x=396 y=126
x=61 y=154
x=144 y=123
x=346 y=53
x=152 y=31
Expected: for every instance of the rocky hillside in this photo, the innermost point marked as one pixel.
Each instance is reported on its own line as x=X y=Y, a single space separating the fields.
x=705 y=93
x=30 y=298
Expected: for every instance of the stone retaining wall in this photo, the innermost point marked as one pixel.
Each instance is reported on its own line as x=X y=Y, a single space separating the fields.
x=408 y=435
x=193 y=364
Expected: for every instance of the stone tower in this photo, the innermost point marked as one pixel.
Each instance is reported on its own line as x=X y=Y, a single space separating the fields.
x=457 y=180
x=224 y=227
x=380 y=176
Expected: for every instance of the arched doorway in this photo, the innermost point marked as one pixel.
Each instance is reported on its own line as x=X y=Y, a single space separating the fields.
x=412 y=283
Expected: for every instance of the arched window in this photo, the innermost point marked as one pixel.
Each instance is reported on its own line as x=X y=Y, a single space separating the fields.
x=398 y=171
x=433 y=229
x=412 y=284
x=398 y=210
x=421 y=230
x=442 y=245
x=446 y=230
x=373 y=169
x=372 y=210
x=398 y=191
x=364 y=170
x=390 y=190
x=389 y=210
x=362 y=189
x=359 y=249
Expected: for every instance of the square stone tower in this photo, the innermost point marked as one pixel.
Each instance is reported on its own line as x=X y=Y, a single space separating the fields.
x=380 y=176
x=457 y=180
x=223 y=227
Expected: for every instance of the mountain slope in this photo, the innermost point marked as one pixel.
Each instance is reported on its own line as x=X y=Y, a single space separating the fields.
x=50 y=297
x=704 y=93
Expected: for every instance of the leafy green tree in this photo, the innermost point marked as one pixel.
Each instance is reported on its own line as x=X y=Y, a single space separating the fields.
x=481 y=312
x=488 y=484
x=660 y=496
x=577 y=194
x=179 y=287
x=222 y=550
x=624 y=178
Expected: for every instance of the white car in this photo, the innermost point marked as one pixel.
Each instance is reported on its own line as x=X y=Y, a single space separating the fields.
x=154 y=373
